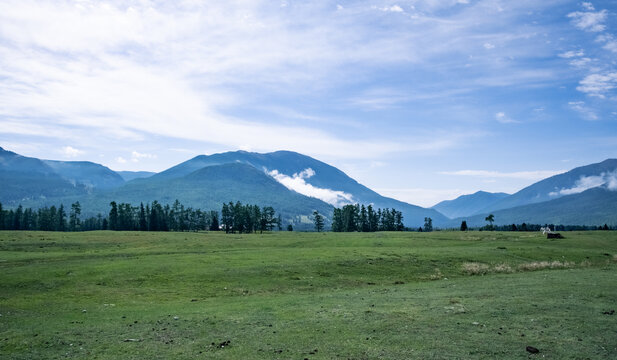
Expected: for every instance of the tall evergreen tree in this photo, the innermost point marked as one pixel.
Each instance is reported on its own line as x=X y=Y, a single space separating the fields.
x=464 y=225
x=214 y=221
x=364 y=221
x=143 y=224
x=113 y=216
x=74 y=221
x=19 y=214
x=61 y=225
x=318 y=220
x=428 y=224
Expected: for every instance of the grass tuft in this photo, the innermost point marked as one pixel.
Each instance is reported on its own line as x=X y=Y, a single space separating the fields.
x=541 y=265
x=474 y=268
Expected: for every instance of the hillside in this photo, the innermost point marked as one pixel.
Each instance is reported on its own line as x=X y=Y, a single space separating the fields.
x=26 y=179
x=467 y=205
x=574 y=181
x=87 y=173
x=596 y=206
x=322 y=177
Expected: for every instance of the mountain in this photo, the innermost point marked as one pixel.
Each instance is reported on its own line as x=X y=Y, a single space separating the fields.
x=574 y=181
x=467 y=205
x=25 y=178
x=211 y=186
x=308 y=176
x=595 y=206
x=294 y=184
x=89 y=174
x=132 y=175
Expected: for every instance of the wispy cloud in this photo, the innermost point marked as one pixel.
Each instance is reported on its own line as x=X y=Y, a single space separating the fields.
x=609 y=180
x=586 y=112
x=71 y=152
x=136 y=156
x=571 y=54
x=598 y=84
x=121 y=160
x=297 y=182
x=589 y=20
x=504 y=119
x=393 y=8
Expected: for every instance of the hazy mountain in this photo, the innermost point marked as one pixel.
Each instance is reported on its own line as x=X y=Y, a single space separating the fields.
x=467 y=205
x=25 y=178
x=596 y=206
x=295 y=185
x=574 y=181
x=211 y=186
x=132 y=175
x=87 y=173
x=308 y=176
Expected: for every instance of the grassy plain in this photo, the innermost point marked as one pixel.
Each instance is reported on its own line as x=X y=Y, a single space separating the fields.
x=440 y=295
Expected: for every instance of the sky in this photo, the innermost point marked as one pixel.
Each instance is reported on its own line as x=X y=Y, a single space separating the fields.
x=421 y=100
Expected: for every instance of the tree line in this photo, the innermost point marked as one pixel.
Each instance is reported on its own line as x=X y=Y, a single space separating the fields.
x=150 y=217
x=362 y=218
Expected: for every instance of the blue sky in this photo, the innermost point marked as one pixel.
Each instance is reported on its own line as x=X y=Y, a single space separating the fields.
x=420 y=100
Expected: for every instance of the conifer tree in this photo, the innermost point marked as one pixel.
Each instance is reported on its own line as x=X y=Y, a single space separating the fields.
x=318 y=220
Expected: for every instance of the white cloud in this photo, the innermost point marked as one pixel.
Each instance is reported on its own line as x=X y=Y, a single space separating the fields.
x=589 y=21
x=571 y=54
x=488 y=46
x=71 y=152
x=610 y=43
x=526 y=175
x=588 y=182
x=582 y=62
x=581 y=108
x=136 y=156
x=393 y=8
x=504 y=119
x=598 y=84
x=121 y=160
x=297 y=182
x=588 y=6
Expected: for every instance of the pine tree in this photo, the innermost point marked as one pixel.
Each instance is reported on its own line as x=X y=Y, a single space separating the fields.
x=364 y=221
x=143 y=224
x=113 y=216
x=464 y=225
x=61 y=224
x=74 y=222
x=428 y=224
x=318 y=220
x=214 y=221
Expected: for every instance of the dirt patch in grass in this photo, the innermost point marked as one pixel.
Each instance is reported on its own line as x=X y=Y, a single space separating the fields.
x=476 y=268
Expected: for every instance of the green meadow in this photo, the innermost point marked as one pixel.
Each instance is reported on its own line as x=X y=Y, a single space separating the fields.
x=288 y=295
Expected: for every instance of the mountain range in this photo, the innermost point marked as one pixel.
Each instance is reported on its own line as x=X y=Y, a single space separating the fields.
x=296 y=185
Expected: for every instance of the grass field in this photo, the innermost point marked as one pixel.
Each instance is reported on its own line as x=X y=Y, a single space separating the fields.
x=440 y=295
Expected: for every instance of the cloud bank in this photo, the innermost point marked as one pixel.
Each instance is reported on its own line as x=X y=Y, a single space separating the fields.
x=588 y=182
x=297 y=182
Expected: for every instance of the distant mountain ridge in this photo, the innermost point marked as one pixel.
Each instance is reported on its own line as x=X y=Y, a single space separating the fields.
x=132 y=175
x=595 y=206
x=321 y=176
x=296 y=185
x=207 y=181
x=89 y=174
x=585 y=195
x=467 y=205
x=556 y=186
